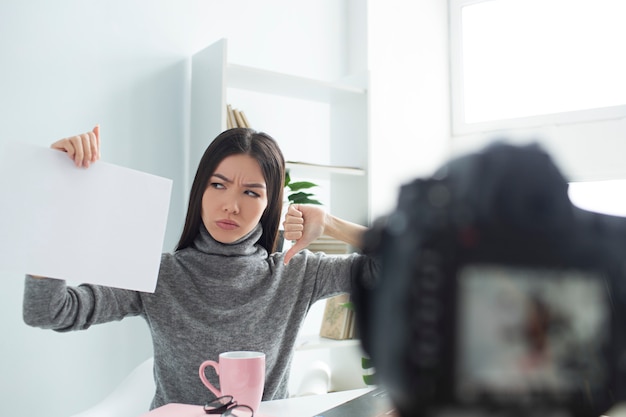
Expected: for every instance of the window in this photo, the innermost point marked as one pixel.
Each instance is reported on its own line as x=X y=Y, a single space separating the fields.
x=522 y=63
x=607 y=197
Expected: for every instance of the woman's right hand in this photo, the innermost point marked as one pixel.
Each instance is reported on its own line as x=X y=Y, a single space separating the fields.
x=84 y=149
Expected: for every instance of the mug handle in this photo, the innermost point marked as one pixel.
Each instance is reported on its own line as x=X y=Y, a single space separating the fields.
x=205 y=381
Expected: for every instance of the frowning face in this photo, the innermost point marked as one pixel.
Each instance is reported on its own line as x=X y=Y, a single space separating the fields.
x=234 y=199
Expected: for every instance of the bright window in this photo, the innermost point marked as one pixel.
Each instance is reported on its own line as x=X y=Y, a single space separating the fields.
x=608 y=197
x=537 y=62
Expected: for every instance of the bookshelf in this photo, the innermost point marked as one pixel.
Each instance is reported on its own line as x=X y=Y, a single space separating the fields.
x=335 y=154
x=312 y=342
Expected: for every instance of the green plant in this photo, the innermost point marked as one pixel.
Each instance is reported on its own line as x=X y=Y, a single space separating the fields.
x=295 y=194
x=369 y=374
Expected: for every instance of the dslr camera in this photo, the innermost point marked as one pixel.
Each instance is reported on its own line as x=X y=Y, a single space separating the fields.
x=494 y=294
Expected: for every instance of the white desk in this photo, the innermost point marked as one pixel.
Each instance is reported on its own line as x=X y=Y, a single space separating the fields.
x=313 y=405
x=307 y=406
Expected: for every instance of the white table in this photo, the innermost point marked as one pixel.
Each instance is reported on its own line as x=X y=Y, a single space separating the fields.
x=312 y=405
x=307 y=406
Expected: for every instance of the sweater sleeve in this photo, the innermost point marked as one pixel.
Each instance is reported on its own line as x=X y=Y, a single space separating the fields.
x=51 y=304
x=332 y=273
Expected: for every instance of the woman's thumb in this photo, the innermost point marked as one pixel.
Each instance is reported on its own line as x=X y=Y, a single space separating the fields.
x=292 y=251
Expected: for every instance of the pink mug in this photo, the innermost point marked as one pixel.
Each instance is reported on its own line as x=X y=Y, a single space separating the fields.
x=241 y=374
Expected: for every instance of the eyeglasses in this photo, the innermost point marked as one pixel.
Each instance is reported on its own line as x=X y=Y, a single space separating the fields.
x=226 y=406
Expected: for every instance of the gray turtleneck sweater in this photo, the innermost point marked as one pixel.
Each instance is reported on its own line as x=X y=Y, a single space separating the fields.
x=210 y=298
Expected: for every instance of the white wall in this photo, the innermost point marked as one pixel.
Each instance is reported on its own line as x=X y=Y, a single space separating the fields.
x=410 y=108
x=69 y=64
x=409 y=94
x=589 y=151
x=586 y=144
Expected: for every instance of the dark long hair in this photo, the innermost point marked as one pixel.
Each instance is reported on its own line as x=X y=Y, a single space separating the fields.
x=267 y=153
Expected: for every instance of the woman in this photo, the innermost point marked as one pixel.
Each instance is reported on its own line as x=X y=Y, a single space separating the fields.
x=222 y=289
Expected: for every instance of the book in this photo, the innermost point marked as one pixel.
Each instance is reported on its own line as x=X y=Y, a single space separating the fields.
x=329 y=245
x=230 y=117
x=235 y=118
x=238 y=118
x=245 y=119
x=338 y=318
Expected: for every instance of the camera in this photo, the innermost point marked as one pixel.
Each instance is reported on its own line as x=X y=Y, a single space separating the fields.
x=494 y=294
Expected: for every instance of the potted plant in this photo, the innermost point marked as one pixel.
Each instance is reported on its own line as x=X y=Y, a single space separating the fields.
x=295 y=195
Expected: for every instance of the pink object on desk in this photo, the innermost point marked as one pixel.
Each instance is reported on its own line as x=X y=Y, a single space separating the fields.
x=183 y=410
x=241 y=374
x=175 y=409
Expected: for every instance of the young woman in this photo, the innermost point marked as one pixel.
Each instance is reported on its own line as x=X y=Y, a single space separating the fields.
x=223 y=288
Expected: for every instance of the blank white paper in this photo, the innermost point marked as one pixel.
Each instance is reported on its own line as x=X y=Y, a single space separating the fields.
x=101 y=225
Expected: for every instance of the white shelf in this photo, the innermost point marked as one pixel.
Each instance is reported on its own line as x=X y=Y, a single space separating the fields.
x=270 y=82
x=311 y=342
x=342 y=122
x=309 y=169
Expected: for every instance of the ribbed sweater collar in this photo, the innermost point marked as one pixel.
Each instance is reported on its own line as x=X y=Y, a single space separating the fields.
x=245 y=246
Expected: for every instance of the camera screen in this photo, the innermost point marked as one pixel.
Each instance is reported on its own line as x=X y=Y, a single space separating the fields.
x=528 y=333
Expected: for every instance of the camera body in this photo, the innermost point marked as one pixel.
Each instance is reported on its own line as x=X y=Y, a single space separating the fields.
x=494 y=294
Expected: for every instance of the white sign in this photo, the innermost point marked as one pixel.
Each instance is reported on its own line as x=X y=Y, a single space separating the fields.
x=102 y=225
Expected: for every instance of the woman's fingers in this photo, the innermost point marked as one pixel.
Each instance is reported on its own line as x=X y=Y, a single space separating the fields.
x=303 y=224
x=96 y=143
x=294 y=223
x=83 y=149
